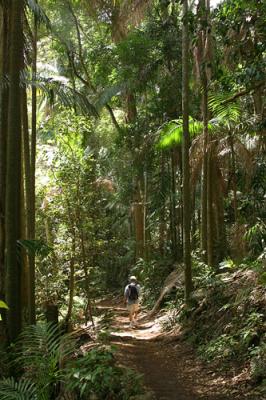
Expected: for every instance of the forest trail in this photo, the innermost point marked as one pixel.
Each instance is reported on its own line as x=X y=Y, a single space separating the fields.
x=169 y=368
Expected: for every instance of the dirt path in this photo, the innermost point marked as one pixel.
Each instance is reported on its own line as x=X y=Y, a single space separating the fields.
x=170 y=370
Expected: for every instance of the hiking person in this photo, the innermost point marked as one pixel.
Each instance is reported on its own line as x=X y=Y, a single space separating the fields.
x=132 y=292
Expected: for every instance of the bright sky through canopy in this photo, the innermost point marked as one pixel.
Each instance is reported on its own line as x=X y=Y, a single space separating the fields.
x=214 y=3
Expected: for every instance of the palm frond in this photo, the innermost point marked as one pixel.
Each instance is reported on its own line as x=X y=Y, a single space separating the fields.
x=223 y=112
x=35 y=247
x=44 y=341
x=106 y=95
x=57 y=90
x=24 y=389
x=172 y=132
x=41 y=349
x=39 y=13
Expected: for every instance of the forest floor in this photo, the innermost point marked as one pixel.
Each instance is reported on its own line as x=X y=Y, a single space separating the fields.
x=170 y=368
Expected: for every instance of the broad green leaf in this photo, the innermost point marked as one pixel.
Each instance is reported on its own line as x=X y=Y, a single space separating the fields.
x=172 y=132
x=3 y=305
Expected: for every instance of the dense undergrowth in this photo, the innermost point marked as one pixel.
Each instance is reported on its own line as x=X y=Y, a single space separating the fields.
x=47 y=364
x=226 y=321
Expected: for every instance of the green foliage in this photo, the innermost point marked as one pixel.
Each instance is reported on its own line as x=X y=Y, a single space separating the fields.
x=41 y=348
x=37 y=247
x=172 y=132
x=258 y=363
x=24 y=389
x=256 y=237
x=3 y=305
x=96 y=373
x=47 y=358
x=151 y=275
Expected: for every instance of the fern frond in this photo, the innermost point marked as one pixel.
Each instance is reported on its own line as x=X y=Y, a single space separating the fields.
x=172 y=132
x=223 y=112
x=39 y=13
x=24 y=389
x=58 y=90
x=107 y=94
x=35 y=247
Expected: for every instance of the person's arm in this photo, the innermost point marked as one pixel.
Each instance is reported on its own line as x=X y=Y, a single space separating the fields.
x=126 y=294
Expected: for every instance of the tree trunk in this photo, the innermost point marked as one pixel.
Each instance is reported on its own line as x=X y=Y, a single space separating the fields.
x=162 y=223
x=210 y=220
x=13 y=188
x=204 y=195
x=233 y=159
x=185 y=153
x=139 y=222
x=4 y=92
x=220 y=223
x=31 y=216
x=72 y=269
x=173 y=215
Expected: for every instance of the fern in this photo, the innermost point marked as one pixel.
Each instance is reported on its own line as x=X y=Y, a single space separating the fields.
x=39 y=13
x=35 y=247
x=41 y=350
x=224 y=112
x=24 y=389
x=172 y=132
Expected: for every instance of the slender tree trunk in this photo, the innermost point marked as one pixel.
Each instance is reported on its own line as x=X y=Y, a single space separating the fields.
x=146 y=234
x=80 y=230
x=173 y=205
x=233 y=159
x=204 y=192
x=210 y=220
x=185 y=153
x=31 y=218
x=13 y=188
x=139 y=222
x=72 y=269
x=220 y=223
x=4 y=91
x=206 y=238
x=162 y=224
x=23 y=253
x=88 y=311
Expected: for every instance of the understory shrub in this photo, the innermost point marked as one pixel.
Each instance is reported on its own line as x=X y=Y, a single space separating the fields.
x=96 y=373
x=50 y=367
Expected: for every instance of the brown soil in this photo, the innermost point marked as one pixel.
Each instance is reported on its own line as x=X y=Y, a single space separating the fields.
x=170 y=368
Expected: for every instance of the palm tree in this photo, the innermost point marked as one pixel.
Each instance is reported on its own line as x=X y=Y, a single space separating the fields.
x=13 y=176
x=4 y=27
x=185 y=154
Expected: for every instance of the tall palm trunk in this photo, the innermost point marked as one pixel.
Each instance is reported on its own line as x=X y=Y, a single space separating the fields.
x=13 y=187
x=162 y=224
x=4 y=31
x=138 y=211
x=31 y=216
x=210 y=219
x=234 y=183
x=220 y=223
x=204 y=193
x=185 y=153
x=25 y=201
x=173 y=207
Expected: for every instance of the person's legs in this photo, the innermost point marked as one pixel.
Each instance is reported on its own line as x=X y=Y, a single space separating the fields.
x=135 y=314
x=130 y=308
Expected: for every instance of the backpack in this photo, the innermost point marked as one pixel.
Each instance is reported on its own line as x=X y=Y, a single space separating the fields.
x=132 y=292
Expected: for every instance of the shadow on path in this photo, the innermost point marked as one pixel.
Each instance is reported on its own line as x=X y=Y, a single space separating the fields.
x=170 y=370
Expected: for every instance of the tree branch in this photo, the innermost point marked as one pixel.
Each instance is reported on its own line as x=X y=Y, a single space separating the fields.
x=242 y=93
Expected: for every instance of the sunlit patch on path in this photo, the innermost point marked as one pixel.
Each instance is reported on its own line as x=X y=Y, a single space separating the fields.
x=170 y=370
